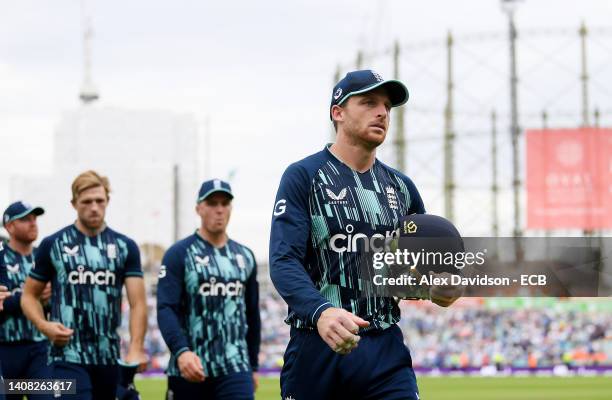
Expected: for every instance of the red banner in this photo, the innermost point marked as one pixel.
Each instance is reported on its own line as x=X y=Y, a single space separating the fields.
x=569 y=178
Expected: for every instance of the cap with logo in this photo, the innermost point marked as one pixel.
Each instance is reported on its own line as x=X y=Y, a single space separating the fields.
x=213 y=186
x=19 y=209
x=363 y=81
x=430 y=233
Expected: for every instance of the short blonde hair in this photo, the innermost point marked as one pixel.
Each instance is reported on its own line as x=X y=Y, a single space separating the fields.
x=87 y=180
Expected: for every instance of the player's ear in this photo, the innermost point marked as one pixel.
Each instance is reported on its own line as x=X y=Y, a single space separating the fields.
x=337 y=113
x=9 y=228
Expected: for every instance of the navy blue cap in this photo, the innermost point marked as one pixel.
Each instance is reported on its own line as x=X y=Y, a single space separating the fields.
x=362 y=81
x=214 y=186
x=19 y=209
x=430 y=233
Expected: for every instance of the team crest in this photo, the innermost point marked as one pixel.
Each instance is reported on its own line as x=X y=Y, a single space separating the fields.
x=240 y=261
x=111 y=251
x=377 y=76
x=391 y=197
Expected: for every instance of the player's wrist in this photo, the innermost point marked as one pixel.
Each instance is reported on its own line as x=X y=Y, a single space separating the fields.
x=319 y=312
x=181 y=352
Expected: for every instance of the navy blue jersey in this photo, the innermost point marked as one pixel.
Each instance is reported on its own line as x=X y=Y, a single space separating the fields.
x=3 y=274
x=325 y=217
x=208 y=302
x=14 y=326
x=87 y=275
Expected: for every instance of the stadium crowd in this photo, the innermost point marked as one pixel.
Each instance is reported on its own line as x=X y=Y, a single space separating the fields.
x=469 y=334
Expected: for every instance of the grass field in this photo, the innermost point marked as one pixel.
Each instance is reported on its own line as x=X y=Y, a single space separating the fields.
x=529 y=388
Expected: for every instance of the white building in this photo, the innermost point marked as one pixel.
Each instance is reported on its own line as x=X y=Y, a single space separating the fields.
x=138 y=151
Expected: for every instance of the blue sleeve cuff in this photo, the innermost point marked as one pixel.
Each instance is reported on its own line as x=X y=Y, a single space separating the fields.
x=134 y=274
x=181 y=351
x=319 y=310
x=38 y=277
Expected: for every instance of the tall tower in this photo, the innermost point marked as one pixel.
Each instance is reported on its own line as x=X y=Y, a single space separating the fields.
x=88 y=93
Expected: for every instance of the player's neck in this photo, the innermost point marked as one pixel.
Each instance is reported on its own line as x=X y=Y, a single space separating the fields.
x=216 y=239
x=88 y=231
x=25 y=249
x=354 y=155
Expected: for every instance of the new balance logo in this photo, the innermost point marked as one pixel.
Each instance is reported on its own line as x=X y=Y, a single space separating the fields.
x=71 y=251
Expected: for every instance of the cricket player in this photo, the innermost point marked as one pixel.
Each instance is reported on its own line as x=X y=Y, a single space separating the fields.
x=4 y=293
x=88 y=264
x=23 y=349
x=330 y=208
x=208 y=307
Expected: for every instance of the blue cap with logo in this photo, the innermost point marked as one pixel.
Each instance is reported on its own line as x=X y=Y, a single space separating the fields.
x=362 y=81
x=19 y=209
x=430 y=233
x=213 y=186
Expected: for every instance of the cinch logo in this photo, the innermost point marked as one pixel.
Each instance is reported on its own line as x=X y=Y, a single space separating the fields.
x=214 y=288
x=82 y=277
x=341 y=243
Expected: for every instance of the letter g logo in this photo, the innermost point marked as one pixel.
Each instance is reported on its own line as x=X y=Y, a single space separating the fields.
x=280 y=207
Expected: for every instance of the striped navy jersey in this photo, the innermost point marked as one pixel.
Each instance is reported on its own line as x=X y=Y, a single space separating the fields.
x=87 y=276
x=208 y=303
x=14 y=326
x=326 y=216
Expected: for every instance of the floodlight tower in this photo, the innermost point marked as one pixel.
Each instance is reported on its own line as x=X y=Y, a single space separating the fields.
x=88 y=93
x=509 y=7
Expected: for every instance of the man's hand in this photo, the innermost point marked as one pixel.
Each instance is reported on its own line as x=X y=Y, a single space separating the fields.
x=57 y=333
x=339 y=328
x=46 y=294
x=255 y=380
x=191 y=367
x=137 y=356
x=4 y=293
x=445 y=295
